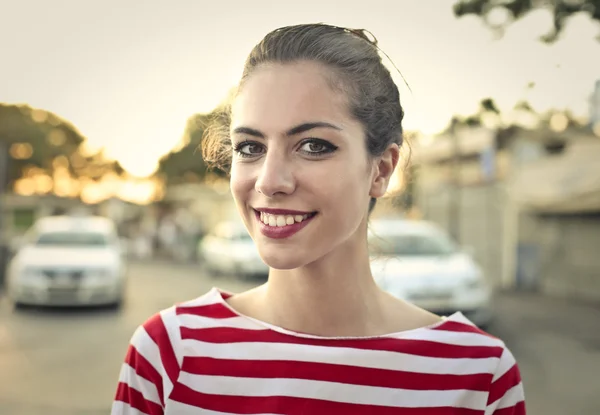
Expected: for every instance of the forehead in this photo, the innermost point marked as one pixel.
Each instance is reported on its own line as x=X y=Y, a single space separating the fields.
x=276 y=96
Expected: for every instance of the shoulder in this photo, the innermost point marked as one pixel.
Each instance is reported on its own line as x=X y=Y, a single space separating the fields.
x=505 y=391
x=459 y=330
x=163 y=329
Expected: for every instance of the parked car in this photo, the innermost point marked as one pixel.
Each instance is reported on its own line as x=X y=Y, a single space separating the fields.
x=229 y=249
x=68 y=261
x=417 y=261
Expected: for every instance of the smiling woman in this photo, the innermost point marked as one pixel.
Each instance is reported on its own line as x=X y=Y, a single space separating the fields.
x=311 y=140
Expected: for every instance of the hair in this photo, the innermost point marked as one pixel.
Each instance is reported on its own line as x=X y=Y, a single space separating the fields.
x=356 y=68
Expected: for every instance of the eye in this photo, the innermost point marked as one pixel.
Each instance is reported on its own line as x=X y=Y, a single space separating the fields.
x=248 y=149
x=317 y=147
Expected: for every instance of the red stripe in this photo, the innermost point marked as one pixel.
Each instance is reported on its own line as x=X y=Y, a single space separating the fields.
x=297 y=406
x=155 y=327
x=334 y=373
x=217 y=310
x=507 y=381
x=225 y=295
x=136 y=400
x=227 y=335
x=518 y=409
x=144 y=369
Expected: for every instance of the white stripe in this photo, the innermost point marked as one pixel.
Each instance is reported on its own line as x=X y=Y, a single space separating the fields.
x=143 y=386
x=336 y=355
x=333 y=391
x=512 y=397
x=439 y=336
x=178 y=408
x=452 y=337
x=146 y=347
x=198 y=322
x=171 y=322
x=122 y=408
x=507 y=361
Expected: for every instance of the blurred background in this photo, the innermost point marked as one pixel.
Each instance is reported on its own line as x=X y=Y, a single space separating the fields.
x=102 y=109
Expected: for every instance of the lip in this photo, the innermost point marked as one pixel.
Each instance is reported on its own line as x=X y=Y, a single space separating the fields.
x=282 y=211
x=281 y=232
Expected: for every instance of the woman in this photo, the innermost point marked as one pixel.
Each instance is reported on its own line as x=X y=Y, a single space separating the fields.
x=311 y=138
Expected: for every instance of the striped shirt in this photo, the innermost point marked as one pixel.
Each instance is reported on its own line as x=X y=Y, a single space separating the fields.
x=202 y=357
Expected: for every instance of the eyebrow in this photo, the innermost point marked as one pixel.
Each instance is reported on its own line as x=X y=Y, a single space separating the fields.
x=299 y=129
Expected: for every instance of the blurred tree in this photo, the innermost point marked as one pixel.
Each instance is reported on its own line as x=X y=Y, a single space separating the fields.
x=516 y=9
x=184 y=164
x=35 y=138
x=524 y=106
x=40 y=140
x=487 y=107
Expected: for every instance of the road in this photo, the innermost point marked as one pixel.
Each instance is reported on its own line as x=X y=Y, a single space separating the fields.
x=66 y=361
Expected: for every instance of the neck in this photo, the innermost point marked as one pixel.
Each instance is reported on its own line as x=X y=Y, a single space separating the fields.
x=335 y=296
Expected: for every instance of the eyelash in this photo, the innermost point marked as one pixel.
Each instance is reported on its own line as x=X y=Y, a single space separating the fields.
x=328 y=148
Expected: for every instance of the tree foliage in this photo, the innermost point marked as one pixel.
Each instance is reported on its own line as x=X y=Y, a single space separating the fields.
x=44 y=141
x=185 y=163
x=561 y=10
x=486 y=106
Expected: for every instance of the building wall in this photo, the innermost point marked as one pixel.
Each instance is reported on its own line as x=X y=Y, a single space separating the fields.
x=564 y=251
x=557 y=255
x=481 y=218
x=595 y=104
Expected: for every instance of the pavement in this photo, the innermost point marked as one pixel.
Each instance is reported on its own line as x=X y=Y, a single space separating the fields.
x=557 y=345
x=57 y=361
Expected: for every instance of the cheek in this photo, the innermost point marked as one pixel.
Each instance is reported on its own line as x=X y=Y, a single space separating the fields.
x=241 y=182
x=341 y=185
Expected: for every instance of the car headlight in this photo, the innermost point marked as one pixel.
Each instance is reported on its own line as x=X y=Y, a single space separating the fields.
x=29 y=273
x=100 y=273
x=474 y=283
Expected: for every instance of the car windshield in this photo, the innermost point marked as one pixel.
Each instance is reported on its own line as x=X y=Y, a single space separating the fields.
x=411 y=245
x=83 y=239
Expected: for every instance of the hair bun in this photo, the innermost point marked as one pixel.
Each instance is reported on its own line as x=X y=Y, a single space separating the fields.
x=364 y=34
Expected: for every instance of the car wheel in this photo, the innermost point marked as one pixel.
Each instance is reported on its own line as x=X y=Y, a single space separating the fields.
x=117 y=305
x=20 y=306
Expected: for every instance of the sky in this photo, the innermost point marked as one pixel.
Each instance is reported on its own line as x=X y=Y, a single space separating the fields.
x=128 y=74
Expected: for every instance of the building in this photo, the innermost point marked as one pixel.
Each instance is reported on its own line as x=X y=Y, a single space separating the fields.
x=595 y=105
x=528 y=204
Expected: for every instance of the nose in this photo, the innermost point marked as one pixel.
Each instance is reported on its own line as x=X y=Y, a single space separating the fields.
x=276 y=176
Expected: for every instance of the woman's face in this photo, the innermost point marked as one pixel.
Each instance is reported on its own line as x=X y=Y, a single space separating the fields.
x=301 y=177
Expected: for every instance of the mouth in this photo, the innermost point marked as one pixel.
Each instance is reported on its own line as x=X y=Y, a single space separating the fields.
x=282 y=218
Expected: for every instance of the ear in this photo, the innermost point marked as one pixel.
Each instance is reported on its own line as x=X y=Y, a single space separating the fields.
x=383 y=169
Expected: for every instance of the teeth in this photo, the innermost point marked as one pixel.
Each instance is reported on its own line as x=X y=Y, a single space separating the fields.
x=281 y=220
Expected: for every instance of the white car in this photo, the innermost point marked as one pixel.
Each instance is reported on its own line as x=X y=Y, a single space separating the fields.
x=418 y=262
x=68 y=261
x=229 y=249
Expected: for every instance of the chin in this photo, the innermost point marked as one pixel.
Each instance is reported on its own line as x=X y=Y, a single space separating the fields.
x=281 y=260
